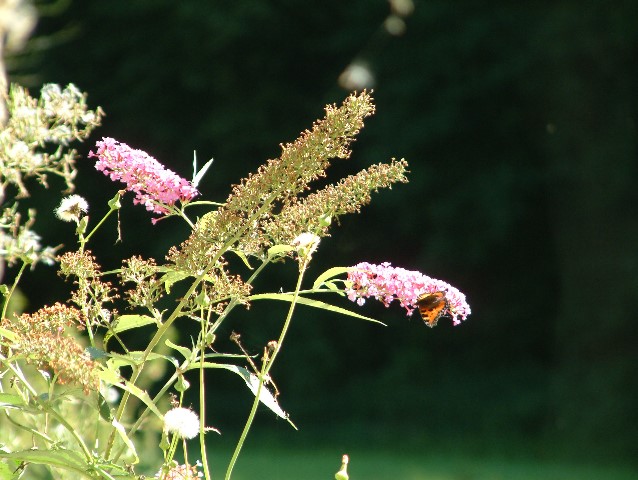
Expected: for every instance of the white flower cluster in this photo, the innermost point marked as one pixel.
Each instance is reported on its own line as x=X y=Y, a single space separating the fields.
x=182 y=422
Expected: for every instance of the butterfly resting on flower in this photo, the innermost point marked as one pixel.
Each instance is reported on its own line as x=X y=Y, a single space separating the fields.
x=432 y=306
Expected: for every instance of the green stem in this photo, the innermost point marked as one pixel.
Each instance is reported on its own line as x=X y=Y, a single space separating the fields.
x=264 y=372
x=202 y=407
x=86 y=239
x=7 y=298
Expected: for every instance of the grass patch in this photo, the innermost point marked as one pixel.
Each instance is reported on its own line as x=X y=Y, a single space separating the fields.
x=321 y=464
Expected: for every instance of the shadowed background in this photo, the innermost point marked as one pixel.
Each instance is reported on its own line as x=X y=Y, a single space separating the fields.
x=519 y=125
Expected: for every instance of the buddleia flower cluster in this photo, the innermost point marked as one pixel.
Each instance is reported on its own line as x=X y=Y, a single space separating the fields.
x=387 y=283
x=155 y=187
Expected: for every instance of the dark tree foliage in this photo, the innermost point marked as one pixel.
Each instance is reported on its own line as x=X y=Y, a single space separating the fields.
x=519 y=123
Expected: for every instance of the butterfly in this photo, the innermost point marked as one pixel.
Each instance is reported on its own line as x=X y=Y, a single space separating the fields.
x=432 y=306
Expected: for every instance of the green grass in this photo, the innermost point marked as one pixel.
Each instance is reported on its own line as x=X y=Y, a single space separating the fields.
x=321 y=464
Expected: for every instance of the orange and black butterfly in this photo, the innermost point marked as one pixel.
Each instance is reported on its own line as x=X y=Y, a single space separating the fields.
x=432 y=306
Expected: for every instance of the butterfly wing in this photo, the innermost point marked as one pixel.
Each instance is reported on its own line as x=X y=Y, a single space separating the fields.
x=431 y=307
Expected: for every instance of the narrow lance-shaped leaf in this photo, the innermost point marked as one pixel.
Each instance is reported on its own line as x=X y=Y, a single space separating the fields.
x=328 y=274
x=287 y=297
x=252 y=382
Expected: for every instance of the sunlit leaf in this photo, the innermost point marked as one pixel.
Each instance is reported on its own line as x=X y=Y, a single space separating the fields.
x=252 y=382
x=8 y=334
x=279 y=250
x=61 y=458
x=128 y=322
x=186 y=352
x=328 y=274
x=7 y=399
x=129 y=443
x=287 y=297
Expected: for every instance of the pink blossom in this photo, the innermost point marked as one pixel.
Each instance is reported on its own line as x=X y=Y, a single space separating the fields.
x=154 y=186
x=386 y=283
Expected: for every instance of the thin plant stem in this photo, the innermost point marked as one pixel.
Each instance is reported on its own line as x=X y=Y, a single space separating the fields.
x=264 y=372
x=249 y=421
x=202 y=409
x=86 y=239
x=9 y=294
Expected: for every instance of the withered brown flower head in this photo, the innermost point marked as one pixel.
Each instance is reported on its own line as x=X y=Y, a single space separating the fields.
x=239 y=223
x=42 y=341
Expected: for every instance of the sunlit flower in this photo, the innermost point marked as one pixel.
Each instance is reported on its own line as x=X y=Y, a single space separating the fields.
x=183 y=422
x=154 y=186
x=71 y=208
x=306 y=243
x=386 y=283
x=180 y=472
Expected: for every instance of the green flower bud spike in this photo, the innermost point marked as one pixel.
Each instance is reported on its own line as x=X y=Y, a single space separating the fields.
x=343 y=473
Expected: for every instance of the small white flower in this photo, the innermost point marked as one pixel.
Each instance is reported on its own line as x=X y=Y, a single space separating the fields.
x=306 y=243
x=183 y=422
x=71 y=208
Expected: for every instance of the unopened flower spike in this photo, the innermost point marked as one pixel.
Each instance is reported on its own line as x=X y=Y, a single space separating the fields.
x=434 y=298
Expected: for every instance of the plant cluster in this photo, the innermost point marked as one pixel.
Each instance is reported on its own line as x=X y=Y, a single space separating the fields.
x=74 y=396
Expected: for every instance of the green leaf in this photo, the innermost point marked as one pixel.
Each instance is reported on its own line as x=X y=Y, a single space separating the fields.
x=6 y=473
x=60 y=458
x=120 y=430
x=243 y=257
x=10 y=399
x=279 y=250
x=287 y=297
x=252 y=382
x=128 y=322
x=8 y=334
x=171 y=277
x=328 y=274
x=186 y=352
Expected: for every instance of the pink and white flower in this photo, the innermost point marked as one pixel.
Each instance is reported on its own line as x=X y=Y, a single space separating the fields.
x=386 y=283
x=154 y=185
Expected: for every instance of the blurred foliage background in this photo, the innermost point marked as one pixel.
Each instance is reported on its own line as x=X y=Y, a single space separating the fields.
x=519 y=124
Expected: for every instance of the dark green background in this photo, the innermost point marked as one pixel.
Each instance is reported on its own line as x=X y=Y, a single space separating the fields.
x=518 y=120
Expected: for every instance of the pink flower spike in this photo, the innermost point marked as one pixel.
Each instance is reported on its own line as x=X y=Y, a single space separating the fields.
x=154 y=186
x=386 y=283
